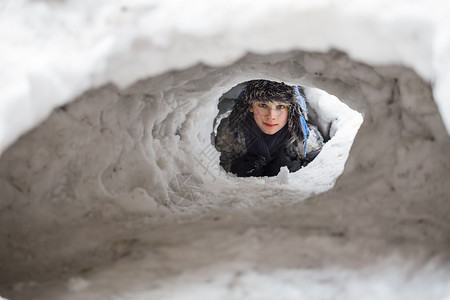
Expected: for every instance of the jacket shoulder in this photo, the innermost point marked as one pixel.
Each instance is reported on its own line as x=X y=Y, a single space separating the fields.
x=230 y=142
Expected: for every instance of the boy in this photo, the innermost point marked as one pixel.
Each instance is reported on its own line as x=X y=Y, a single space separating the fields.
x=267 y=130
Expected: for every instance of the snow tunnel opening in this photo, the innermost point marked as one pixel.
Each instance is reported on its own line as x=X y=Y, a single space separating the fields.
x=227 y=100
x=335 y=121
x=146 y=150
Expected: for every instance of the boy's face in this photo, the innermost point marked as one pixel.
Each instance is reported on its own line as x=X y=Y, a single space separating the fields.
x=270 y=116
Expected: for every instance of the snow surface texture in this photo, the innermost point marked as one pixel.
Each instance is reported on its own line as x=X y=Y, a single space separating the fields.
x=153 y=152
x=52 y=51
x=92 y=206
x=99 y=184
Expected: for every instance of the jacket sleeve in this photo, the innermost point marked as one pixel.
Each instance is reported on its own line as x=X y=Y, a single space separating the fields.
x=284 y=157
x=248 y=165
x=315 y=139
x=227 y=142
x=314 y=145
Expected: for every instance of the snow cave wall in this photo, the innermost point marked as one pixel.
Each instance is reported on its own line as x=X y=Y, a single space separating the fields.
x=110 y=155
x=115 y=151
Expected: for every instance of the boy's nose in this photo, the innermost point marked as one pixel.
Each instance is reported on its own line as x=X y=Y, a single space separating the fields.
x=271 y=114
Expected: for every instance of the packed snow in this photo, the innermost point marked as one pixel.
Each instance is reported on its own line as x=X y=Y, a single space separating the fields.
x=52 y=50
x=111 y=188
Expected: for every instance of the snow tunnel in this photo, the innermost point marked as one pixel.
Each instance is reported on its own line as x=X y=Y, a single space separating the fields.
x=117 y=193
x=147 y=149
x=143 y=156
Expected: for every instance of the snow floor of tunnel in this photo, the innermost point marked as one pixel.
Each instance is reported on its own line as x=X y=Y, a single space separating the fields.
x=209 y=262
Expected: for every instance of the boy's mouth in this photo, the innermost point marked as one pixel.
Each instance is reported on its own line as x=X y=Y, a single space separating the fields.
x=270 y=125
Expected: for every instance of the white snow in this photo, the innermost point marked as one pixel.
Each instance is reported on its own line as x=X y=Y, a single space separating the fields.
x=115 y=190
x=52 y=51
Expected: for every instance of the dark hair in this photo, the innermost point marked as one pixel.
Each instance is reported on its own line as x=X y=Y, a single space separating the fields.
x=265 y=90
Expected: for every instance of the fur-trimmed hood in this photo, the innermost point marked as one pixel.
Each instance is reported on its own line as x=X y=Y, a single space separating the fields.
x=265 y=90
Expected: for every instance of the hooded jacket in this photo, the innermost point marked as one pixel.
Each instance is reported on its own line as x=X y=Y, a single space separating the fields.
x=299 y=145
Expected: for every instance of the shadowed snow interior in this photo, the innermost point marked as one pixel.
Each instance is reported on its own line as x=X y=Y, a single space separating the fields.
x=123 y=186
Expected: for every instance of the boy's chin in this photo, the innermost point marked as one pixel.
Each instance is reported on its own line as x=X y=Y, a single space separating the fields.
x=270 y=131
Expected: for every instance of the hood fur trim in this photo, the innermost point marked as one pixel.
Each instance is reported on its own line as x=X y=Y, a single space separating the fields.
x=265 y=90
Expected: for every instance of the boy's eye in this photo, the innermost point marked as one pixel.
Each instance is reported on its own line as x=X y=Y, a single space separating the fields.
x=280 y=106
x=262 y=105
